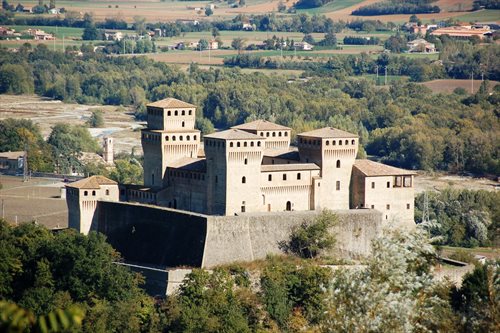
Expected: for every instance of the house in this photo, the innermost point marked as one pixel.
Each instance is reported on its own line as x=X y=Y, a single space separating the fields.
x=157 y=32
x=303 y=46
x=464 y=32
x=193 y=45
x=40 y=34
x=188 y=22
x=420 y=46
x=113 y=35
x=27 y=9
x=213 y=45
x=418 y=29
x=54 y=11
x=248 y=26
x=180 y=46
x=12 y=161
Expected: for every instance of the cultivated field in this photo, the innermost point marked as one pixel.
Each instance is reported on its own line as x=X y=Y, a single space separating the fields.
x=447 y=86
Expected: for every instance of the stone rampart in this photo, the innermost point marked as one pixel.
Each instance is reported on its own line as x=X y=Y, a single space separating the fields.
x=171 y=238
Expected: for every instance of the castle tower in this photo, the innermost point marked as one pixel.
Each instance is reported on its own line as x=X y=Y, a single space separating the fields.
x=277 y=136
x=234 y=159
x=82 y=199
x=334 y=151
x=170 y=136
x=108 y=152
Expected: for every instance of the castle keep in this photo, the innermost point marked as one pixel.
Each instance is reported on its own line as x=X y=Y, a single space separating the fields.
x=250 y=168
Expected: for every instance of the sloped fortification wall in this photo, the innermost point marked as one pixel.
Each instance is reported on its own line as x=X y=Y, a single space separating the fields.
x=253 y=236
x=153 y=235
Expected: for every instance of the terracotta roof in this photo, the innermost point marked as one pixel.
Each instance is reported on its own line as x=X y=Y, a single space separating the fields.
x=12 y=154
x=329 y=132
x=170 y=103
x=288 y=167
x=233 y=134
x=261 y=125
x=289 y=154
x=372 y=169
x=93 y=182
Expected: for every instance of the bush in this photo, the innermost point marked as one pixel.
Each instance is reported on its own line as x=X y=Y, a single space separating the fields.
x=310 y=238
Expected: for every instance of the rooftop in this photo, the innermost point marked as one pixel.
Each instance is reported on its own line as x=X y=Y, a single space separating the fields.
x=373 y=169
x=329 y=132
x=191 y=164
x=93 y=182
x=288 y=167
x=233 y=134
x=12 y=154
x=170 y=103
x=261 y=125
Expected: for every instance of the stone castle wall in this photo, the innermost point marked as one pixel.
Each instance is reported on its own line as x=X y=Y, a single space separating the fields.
x=172 y=238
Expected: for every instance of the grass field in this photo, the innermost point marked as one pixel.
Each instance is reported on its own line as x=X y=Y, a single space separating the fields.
x=331 y=7
x=448 y=86
x=487 y=15
x=59 y=32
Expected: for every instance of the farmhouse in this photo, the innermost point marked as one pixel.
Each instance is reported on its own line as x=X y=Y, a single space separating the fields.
x=303 y=46
x=40 y=34
x=251 y=168
x=421 y=46
x=464 y=31
x=213 y=45
x=12 y=161
x=113 y=35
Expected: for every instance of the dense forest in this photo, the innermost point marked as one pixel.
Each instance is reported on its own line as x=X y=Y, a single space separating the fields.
x=46 y=273
x=301 y=4
x=406 y=125
x=397 y=7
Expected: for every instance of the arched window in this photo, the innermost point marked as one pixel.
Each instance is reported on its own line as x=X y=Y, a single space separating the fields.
x=261 y=133
x=274 y=134
x=180 y=137
x=190 y=112
x=327 y=142
x=166 y=137
x=251 y=143
x=353 y=142
x=346 y=142
x=258 y=143
x=338 y=163
x=334 y=142
x=173 y=137
x=237 y=144
x=288 y=206
x=85 y=193
x=230 y=144
x=183 y=112
x=93 y=193
x=298 y=176
x=243 y=180
x=107 y=192
x=286 y=133
x=279 y=134
x=183 y=124
x=244 y=144
x=169 y=113
x=246 y=161
x=269 y=177
x=176 y=113
x=340 y=142
x=188 y=137
x=267 y=134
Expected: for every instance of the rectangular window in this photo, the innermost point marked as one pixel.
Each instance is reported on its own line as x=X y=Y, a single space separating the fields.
x=408 y=206
x=407 y=181
x=397 y=181
x=270 y=177
x=284 y=176
x=337 y=185
x=242 y=209
x=373 y=184
x=388 y=184
x=373 y=206
x=298 y=176
x=388 y=207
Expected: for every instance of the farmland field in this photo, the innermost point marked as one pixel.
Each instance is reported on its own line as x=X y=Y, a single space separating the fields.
x=447 y=86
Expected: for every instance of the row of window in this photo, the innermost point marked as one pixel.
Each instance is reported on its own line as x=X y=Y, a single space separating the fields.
x=388 y=206
x=274 y=134
x=86 y=193
x=218 y=143
x=327 y=142
x=181 y=137
x=155 y=112
x=398 y=180
x=188 y=175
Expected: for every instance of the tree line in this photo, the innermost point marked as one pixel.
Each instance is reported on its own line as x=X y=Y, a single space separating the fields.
x=397 y=7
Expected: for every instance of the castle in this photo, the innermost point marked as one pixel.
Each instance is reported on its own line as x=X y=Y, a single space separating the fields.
x=249 y=168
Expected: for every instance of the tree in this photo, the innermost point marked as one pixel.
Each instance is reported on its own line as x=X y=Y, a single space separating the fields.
x=203 y=44
x=52 y=4
x=215 y=32
x=281 y=7
x=208 y=11
x=15 y=80
x=127 y=172
x=96 y=119
x=329 y=40
x=238 y=44
x=310 y=238
x=90 y=33
x=140 y=25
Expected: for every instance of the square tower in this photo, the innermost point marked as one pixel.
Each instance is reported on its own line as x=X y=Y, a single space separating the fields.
x=334 y=151
x=169 y=137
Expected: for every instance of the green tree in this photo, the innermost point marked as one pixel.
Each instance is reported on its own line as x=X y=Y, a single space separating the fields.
x=208 y=11
x=90 y=33
x=311 y=237
x=96 y=119
x=14 y=79
x=127 y=172
x=203 y=44
x=238 y=44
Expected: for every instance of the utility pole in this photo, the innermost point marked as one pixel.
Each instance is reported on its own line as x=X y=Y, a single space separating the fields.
x=385 y=80
x=472 y=83
x=25 y=163
x=376 y=70
x=64 y=50
x=3 y=209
